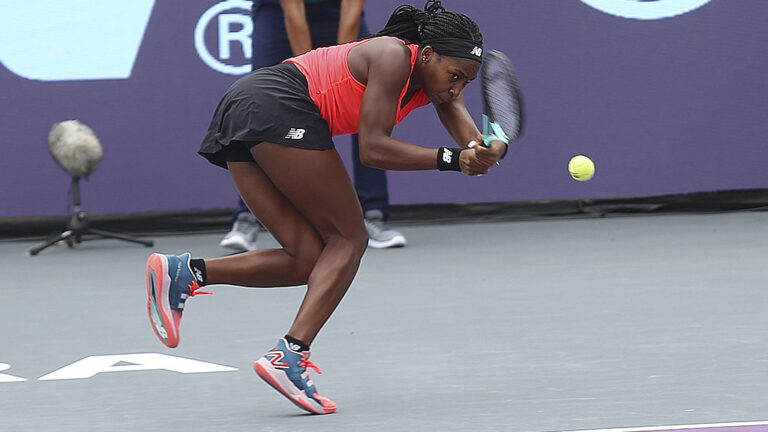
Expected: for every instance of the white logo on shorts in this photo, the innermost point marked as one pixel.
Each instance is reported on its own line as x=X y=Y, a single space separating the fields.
x=295 y=133
x=477 y=51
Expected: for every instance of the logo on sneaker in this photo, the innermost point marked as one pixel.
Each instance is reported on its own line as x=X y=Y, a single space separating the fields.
x=274 y=358
x=158 y=323
x=477 y=51
x=295 y=134
x=153 y=312
x=447 y=155
x=178 y=272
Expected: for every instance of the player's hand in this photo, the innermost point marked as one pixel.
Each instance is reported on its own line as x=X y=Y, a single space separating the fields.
x=470 y=164
x=490 y=155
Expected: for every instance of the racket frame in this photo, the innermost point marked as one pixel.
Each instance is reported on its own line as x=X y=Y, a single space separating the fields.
x=492 y=131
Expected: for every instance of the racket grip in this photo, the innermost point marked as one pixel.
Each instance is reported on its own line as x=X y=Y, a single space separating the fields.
x=496 y=133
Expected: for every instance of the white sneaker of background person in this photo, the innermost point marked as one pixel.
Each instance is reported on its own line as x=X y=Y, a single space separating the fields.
x=381 y=236
x=245 y=231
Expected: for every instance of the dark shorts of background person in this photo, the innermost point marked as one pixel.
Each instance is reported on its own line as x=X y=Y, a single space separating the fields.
x=270 y=104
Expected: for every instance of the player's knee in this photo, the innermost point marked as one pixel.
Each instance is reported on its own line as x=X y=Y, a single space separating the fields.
x=360 y=239
x=353 y=244
x=305 y=256
x=304 y=265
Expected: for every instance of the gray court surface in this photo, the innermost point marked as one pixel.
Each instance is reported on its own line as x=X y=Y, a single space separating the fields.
x=535 y=326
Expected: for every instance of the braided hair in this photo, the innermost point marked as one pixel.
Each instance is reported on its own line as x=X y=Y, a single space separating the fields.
x=432 y=24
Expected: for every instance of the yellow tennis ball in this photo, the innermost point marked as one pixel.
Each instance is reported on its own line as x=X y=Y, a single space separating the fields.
x=581 y=168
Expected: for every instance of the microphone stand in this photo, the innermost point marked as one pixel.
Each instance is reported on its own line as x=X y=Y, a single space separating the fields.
x=77 y=227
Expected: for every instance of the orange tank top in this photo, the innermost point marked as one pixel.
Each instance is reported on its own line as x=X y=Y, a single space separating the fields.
x=338 y=94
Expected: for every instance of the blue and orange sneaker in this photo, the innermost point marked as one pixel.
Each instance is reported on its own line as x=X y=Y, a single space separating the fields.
x=285 y=369
x=170 y=281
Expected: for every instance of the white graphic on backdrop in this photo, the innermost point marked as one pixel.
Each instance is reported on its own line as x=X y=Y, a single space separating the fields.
x=233 y=30
x=646 y=9
x=72 y=40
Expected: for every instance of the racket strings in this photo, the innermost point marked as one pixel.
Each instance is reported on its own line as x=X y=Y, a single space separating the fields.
x=501 y=94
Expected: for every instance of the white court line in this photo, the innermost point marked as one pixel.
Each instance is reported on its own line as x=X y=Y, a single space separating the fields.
x=678 y=427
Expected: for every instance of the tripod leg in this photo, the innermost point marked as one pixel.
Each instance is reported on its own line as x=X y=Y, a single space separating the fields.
x=107 y=234
x=66 y=235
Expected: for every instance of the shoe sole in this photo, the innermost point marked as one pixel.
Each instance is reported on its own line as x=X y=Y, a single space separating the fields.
x=280 y=382
x=158 y=307
x=396 y=241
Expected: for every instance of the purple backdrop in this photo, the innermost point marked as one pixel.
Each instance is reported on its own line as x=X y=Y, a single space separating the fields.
x=663 y=106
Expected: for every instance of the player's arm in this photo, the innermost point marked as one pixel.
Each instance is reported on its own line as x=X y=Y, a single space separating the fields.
x=296 y=26
x=386 y=65
x=459 y=124
x=349 y=20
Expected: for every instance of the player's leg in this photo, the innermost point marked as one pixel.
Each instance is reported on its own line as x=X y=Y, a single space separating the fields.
x=316 y=184
x=172 y=279
x=301 y=244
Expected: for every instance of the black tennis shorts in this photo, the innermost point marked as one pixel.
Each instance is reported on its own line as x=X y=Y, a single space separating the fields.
x=269 y=104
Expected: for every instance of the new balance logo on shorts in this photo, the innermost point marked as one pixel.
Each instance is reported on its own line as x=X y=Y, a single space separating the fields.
x=295 y=134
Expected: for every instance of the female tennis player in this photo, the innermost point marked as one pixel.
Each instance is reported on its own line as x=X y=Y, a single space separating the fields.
x=272 y=130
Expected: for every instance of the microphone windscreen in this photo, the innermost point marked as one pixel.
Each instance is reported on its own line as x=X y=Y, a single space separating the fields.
x=75 y=147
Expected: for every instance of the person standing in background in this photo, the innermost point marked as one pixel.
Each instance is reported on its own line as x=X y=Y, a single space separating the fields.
x=287 y=28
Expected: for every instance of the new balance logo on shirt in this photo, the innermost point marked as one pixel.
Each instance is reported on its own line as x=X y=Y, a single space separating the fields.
x=295 y=134
x=477 y=51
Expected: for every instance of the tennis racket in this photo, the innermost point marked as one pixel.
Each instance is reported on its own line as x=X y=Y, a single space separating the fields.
x=502 y=100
